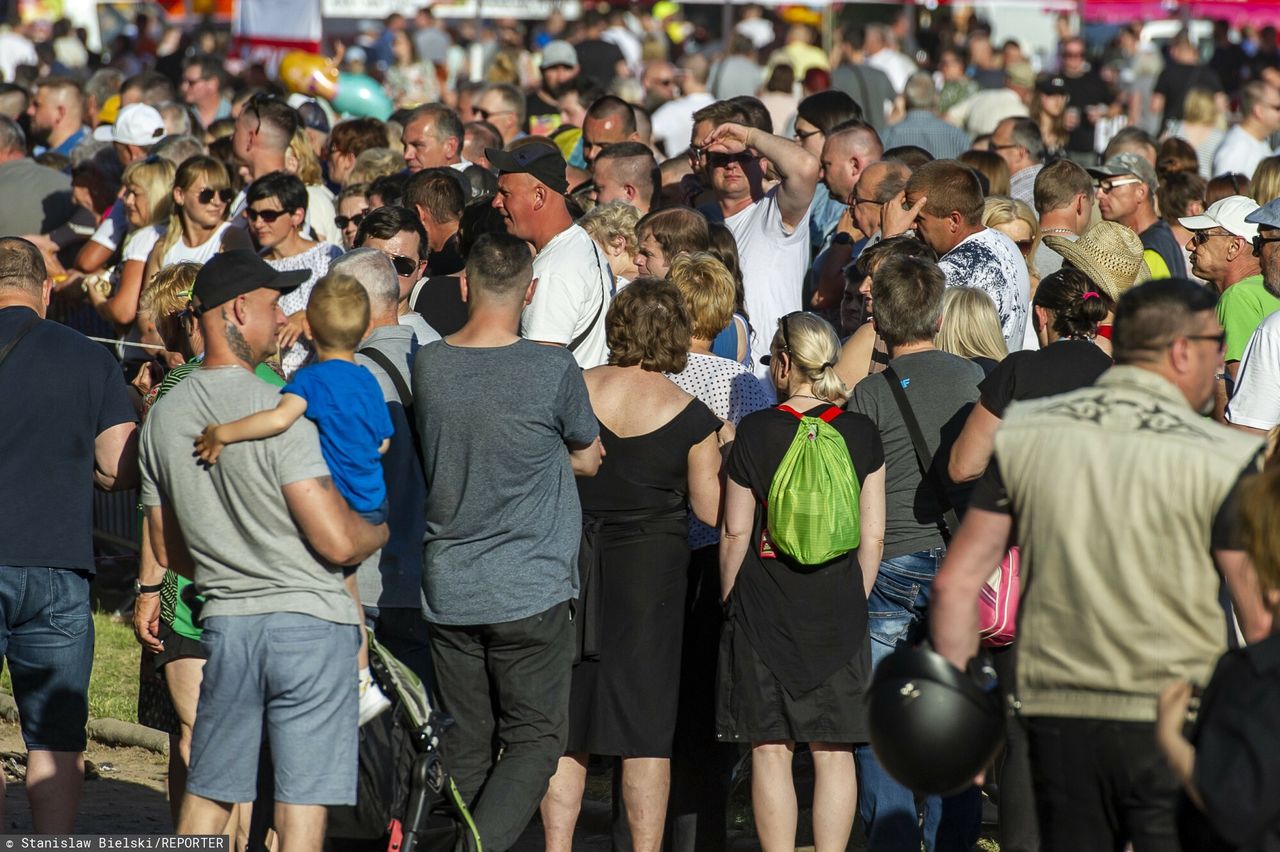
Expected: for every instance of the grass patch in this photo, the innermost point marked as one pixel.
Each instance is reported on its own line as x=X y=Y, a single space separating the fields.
x=113 y=685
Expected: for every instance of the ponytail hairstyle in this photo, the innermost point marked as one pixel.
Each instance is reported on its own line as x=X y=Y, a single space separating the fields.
x=1077 y=304
x=813 y=348
x=191 y=170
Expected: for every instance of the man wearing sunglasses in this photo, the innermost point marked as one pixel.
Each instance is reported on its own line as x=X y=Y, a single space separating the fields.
x=397 y=233
x=1255 y=404
x=502 y=106
x=1127 y=194
x=771 y=228
x=1221 y=247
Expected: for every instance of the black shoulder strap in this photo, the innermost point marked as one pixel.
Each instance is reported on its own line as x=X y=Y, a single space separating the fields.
x=380 y=358
x=950 y=519
x=17 y=338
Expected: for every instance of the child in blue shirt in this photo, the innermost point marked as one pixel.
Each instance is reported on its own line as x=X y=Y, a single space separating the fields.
x=344 y=401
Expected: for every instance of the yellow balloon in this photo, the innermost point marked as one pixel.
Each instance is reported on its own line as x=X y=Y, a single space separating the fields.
x=309 y=74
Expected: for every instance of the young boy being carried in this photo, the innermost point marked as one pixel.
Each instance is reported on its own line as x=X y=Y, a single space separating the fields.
x=344 y=401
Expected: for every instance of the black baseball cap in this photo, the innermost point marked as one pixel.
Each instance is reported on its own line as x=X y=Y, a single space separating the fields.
x=234 y=273
x=543 y=162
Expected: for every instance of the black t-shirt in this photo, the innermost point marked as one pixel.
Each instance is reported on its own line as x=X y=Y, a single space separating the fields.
x=535 y=105
x=599 y=60
x=447 y=261
x=805 y=622
x=1083 y=92
x=1231 y=64
x=1237 y=768
x=1060 y=367
x=1159 y=237
x=63 y=391
x=440 y=302
x=1176 y=80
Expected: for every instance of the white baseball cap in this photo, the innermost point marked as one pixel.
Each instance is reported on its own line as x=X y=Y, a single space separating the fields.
x=1230 y=213
x=136 y=124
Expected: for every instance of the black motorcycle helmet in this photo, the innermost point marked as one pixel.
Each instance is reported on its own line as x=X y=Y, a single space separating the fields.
x=934 y=727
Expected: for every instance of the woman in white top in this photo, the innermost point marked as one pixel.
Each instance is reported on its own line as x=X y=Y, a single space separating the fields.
x=144 y=192
x=197 y=228
x=276 y=210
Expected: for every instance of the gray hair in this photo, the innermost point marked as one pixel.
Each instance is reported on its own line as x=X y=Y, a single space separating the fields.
x=11 y=136
x=919 y=92
x=375 y=273
x=1026 y=133
x=178 y=149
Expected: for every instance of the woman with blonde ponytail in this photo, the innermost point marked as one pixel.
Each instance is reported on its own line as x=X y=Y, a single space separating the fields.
x=795 y=658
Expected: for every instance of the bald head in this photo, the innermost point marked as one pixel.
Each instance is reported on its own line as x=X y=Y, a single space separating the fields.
x=849 y=149
x=609 y=120
x=625 y=172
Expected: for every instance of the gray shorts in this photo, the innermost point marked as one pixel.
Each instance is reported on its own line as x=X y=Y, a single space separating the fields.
x=297 y=675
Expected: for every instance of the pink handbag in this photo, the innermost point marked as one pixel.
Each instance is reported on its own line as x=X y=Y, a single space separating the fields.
x=998 y=603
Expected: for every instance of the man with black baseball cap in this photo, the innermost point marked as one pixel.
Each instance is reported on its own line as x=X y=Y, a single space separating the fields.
x=280 y=628
x=575 y=284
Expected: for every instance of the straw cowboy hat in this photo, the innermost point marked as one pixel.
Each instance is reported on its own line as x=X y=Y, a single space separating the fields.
x=1109 y=253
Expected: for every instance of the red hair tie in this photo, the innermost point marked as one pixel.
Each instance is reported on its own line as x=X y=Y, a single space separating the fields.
x=1089 y=295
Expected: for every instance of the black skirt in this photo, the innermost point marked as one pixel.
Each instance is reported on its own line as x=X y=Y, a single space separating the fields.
x=624 y=696
x=753 y=706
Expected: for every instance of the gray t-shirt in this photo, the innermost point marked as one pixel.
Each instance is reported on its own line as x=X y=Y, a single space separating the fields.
x=503 y=517
x=941 y=388
x=250 y=556
x=392 y=577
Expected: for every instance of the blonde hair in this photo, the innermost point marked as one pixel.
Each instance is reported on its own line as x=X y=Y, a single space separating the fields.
x=373 y=163
x=1200 y=108
x=192 y=169
x=154 y=176
x=814 y=349
x=1261 y=510
x=970 y=325
x=1264 y=186
x=168 y=292
x=304 y=162
x=606 y=222
x=708 y=289
x=1001 y=210
x=338 y=312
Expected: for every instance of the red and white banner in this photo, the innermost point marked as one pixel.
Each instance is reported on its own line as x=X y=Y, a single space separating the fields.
x=265 y=30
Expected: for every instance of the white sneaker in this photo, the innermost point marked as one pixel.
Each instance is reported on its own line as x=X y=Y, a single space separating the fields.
x=372 y=701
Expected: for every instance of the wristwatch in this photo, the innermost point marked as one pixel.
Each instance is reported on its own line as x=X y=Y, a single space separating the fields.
x=139 y=589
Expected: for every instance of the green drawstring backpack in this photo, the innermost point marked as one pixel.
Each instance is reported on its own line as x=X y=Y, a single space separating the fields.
x=813 y=498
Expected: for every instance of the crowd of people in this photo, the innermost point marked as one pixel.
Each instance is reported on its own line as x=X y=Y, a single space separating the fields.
x=525 y=382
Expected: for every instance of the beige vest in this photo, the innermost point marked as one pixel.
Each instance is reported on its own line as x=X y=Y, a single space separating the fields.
x=1114 y=489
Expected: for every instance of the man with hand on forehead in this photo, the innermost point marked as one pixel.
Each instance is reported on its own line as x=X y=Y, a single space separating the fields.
x=574 y=285
x=769 y=227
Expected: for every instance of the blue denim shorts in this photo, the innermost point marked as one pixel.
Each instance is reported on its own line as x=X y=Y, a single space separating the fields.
x=46 y=635
x=295 y=674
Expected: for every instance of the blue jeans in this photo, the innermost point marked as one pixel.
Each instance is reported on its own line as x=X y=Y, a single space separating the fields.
x=896 y=611
x=46 y=635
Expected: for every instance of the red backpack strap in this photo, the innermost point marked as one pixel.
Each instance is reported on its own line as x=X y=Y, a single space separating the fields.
x=791 y=411
x=831 y=414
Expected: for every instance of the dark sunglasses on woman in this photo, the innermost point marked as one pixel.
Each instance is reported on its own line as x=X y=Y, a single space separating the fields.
x=224 y=195
x=343 y=221
x=268 y=216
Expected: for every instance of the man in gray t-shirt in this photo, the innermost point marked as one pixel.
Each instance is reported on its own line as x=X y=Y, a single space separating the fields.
x=940 y=388
x=505 y=424
x=263 y=534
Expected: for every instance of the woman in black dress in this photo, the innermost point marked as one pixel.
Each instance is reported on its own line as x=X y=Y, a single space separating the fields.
x=795 y=655
x=662 y=457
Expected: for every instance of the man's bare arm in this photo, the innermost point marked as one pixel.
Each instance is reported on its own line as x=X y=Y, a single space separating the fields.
x=335 y=532
x=115 y=457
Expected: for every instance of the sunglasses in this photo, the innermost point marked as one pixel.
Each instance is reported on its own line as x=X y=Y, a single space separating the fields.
x=343 y=221
x=1260 y=241
x=719 y=160
x=405 y=266
x=1113 y=185
x=268 y=216
x=485 y=115
x=786 y=337
x=1219 y=339
x=206 y=196
x=1202 y=237
x=802 y=135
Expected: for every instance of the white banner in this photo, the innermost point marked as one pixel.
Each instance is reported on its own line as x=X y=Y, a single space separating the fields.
x=267 y=29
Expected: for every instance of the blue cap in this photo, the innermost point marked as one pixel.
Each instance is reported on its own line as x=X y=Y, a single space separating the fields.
x=1268 y=215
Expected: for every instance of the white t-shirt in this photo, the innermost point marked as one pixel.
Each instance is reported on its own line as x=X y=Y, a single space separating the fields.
x=1239 y=152
x=138 y=245
x=898 y=67
x=573 y=295
x=422 y=329
x=320 y=213
x=774 y=261
x=1256 y=401
x=991 y=262
x=673 y=121
x=113 y=228
x=180 y=252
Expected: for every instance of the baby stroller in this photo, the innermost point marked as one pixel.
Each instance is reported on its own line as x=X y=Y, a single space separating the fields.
x=405 y=800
